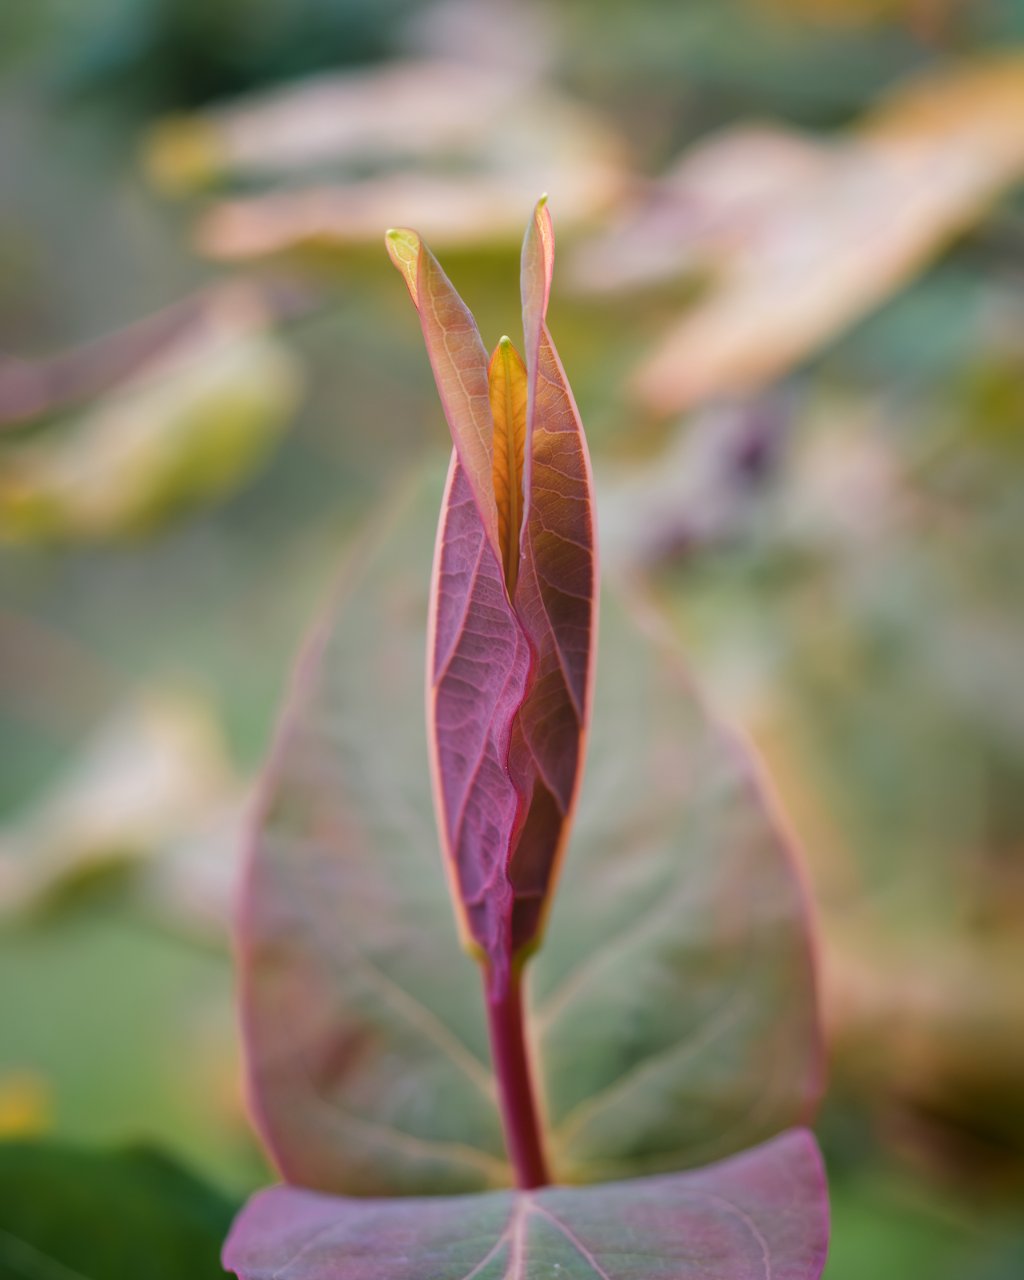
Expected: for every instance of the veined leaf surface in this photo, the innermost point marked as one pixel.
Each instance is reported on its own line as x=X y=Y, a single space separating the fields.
x=762 y=1214
x=512 y=607
x=673 y=1008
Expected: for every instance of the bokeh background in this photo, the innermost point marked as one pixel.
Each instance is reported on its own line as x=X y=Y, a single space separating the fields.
x=790 y=296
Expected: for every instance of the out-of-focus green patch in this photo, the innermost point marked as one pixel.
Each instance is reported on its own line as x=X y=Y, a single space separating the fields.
x=803 y=69
x=887 y=1228
x=25 y=1105
x=129 y=1031
x=118 y=1215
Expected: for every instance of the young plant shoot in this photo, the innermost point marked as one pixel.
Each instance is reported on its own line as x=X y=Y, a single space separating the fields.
x=510 y=640
x=643 y=1116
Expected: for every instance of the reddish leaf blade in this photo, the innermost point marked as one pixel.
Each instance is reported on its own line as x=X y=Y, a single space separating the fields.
x=535 y=275
x=555 y=600
x=764 y=1213
x=511 y=645
x=459 y=361
x=479 y=664
x=674 y=1004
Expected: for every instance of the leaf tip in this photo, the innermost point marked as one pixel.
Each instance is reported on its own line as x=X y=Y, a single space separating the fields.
x=403 y=248
x=538 y=260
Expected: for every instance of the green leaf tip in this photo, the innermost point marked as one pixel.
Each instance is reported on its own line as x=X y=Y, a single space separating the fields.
x=403 y=248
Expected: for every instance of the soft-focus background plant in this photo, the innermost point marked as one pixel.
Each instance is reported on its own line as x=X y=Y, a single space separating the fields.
x=791 y=298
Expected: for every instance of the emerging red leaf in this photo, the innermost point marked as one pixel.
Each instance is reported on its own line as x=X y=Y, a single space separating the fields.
x=512 y=607
x=760 y=1214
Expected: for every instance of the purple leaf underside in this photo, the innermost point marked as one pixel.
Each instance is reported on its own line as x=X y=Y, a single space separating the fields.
x=762 y=1215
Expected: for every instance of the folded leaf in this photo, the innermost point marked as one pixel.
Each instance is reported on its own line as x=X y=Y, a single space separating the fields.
x=760 y=1214
x=459 y=362
x=673 y=1004
x=512 y=606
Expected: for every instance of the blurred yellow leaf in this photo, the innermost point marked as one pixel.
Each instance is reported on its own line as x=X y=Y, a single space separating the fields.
x=185 y=426
x=801 y=252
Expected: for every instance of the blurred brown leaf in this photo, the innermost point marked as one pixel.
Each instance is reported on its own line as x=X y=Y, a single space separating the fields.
x=803 y=240
x=702 y=210
x=454 y=149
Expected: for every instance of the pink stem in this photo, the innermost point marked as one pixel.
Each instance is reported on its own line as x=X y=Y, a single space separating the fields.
x=515 y=1084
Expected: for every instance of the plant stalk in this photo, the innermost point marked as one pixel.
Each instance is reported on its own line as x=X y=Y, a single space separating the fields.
x=515 y=1082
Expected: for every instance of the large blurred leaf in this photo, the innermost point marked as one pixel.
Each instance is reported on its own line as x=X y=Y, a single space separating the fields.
x=66 y=1212
x=761 y=1214
x=673 y=1005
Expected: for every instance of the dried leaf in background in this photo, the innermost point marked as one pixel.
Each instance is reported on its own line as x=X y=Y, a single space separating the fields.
x=345 y=155
x=820 y=233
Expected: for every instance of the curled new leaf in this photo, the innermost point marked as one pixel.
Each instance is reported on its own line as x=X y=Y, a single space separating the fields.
x=512 y=606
